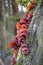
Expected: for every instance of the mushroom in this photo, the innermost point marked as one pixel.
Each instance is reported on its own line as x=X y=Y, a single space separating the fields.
x=24 y=49
x=18 y=26
x=22 y=20
x=24 y=26
x=13 y=43
x=30 y=15
x=23 y=30
x=31 y=5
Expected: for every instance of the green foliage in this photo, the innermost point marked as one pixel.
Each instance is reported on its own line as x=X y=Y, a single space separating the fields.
x=36 y=1
x=9 y=51
x=23 y=2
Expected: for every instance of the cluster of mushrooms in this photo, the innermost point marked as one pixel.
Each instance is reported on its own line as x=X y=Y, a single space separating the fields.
x=22 y=33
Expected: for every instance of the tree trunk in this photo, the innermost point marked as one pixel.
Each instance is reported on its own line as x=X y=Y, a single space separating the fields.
x=14 y=7
x=36 y=57
x=9 y=7
x=2 y=26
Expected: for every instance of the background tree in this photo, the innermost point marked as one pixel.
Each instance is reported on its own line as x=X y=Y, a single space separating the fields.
x=2 y=26
x=14 y=6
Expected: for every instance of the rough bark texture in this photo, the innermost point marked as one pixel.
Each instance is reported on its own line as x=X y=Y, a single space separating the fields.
x=39 y=53
x=36 y=55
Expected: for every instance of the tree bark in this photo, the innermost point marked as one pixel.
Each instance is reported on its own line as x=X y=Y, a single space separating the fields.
x=36 y=57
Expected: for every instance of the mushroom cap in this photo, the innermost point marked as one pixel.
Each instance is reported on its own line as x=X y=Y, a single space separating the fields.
x=31 y=5
x=24 y=49
x=30 y=15
x=22 y=20
x=13 y=43
x=18 y=26
x=24 y=35
x=23 y=45
x=23 y=30
x=24 y=26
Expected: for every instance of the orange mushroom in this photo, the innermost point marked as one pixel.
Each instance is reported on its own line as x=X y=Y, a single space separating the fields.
x=23 y=30
x=18 y=26
x=13 y=43
x=10 y=44
x=31 y=5
x=24 y=26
